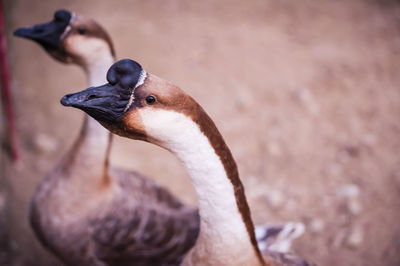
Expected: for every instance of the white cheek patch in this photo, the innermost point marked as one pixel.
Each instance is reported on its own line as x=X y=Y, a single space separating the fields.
x=141 y=80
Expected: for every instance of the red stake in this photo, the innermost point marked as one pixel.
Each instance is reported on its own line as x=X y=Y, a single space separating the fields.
x=5 y=90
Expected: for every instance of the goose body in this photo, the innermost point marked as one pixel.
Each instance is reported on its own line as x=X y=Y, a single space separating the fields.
x=142 y=106
x=84 y=211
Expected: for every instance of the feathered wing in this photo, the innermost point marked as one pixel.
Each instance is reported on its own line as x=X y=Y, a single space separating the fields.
x=155 y=230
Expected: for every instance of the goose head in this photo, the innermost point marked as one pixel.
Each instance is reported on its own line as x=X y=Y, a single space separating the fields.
x=70 y=38
x=132 y=100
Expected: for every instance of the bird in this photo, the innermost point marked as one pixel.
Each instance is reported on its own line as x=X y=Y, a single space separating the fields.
x=74 y=39
x=84 y=211
x=141 y=106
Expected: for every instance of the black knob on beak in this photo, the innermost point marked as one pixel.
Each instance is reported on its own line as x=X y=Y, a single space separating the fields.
x=62 y=16
x=125 y=72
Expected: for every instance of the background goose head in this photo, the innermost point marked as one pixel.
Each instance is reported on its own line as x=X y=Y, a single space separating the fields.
x=70 y=38
x=131 y=99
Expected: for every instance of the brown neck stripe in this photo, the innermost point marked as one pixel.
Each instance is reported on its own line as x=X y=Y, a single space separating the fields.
x=209 y=129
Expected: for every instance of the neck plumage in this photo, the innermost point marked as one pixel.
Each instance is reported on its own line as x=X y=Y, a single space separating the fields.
x=91 y=149
x=227 y=232
x=94 y=133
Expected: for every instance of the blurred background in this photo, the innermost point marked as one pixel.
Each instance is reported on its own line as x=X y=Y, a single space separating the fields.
x=306 y=94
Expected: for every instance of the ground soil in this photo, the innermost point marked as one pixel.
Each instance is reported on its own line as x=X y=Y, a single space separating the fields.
x=306 y=94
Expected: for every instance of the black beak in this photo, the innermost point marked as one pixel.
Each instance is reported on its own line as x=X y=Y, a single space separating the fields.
x=105 y=103
x=109 y=102
x=47 y=34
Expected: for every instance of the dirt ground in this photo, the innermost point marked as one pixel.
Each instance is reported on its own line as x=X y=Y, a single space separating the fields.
x=306 y=94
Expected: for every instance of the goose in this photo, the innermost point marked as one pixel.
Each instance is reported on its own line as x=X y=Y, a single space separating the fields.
x=84 y=211
x=74 y=39
x=141 y=106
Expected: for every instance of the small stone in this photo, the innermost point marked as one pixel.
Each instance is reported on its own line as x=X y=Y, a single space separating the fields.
x=257 y=189
x=275 y=198
x=355 y=237
x=244 y=100
x=45 y=143
x=354 y=206
x=316 y=225
x=339 y=238
x=348 y=191
x=308 y=100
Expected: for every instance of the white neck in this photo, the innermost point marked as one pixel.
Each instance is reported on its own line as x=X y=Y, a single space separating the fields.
x=223 y=238
x=96 y=70
x=91 y=148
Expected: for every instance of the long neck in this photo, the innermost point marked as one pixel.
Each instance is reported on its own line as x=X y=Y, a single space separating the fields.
x=96 y=71
x=226 y=234
x=91 y=149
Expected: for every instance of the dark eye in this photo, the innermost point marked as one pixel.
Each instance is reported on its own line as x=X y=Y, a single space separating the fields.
x=82 y=31
x=150 y=99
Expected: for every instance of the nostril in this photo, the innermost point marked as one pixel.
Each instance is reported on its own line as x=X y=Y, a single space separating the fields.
x=91 y=97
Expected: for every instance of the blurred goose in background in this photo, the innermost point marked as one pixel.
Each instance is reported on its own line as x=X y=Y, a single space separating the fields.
x=85 y=211
x=139 y=105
